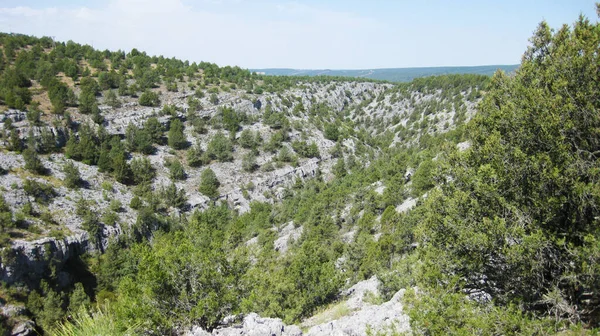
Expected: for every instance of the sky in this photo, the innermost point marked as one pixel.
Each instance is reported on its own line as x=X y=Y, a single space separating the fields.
x=335 y=34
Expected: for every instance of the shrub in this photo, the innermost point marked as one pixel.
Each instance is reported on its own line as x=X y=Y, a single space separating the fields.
x=176 y=171
x=72 y=176
x=220 y=148
x=176 y=138
x=149 y=98
x=209 y=184
x=142 y=170
x=33 y=162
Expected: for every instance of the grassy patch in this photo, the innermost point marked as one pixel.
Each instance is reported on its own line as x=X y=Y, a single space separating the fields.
x=329 y=313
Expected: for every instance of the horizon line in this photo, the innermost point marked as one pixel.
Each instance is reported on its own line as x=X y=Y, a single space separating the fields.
x=389 y=68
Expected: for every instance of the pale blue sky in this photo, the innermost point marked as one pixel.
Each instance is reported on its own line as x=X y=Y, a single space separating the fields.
x=298 y=34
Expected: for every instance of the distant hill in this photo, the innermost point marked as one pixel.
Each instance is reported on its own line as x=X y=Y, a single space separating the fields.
x=392 y=74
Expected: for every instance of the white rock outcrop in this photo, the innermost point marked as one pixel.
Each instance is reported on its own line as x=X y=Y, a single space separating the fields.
x=359 y=315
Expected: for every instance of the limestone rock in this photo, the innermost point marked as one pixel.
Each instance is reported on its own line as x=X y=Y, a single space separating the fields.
x=289 y=232
x=408 y=204
x=25 y=328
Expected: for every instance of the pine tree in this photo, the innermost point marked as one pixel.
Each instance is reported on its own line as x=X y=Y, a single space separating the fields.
x=209 y=184
x=176 y=138
x=72 y=176
x=33 y=162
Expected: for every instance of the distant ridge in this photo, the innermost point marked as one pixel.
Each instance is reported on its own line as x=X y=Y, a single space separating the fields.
x=391 y=74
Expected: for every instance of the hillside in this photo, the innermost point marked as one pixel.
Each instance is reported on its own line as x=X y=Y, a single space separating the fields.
x=153 y=196
x=392 y=74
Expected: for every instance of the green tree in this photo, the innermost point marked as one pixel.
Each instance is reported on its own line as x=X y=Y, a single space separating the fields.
x=51 y=311
x=48 y=141
x=6 y=219
x=15 y=144
x=34 y=114
x=209 y=184
x=87 y=102
x=246 y=139
x=422 y=180
x=173 y=196
x=220 y=148
x=520 y=207
x=78 y=298
x=72 y=176
x=41 y=192
x=138 y=140
x=195 y=156
x=176 y=137
x=149 y=98
x=142 y=170
x=176 y=171
x=332 y=132
x=231 y=119
x=214 y=99
x=249 y=162
x=33 y=162
x=188 y=274
x=154 y=128
x=111 y=99
x=339 y=169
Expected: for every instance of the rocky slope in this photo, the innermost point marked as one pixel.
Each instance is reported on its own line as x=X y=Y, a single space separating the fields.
x=50 y=234
x=355 y=314
x=356 y=101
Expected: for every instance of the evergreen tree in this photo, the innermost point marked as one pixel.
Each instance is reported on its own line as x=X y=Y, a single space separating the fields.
x=209 y=184
x=516 y=216
x=78 y=298
x=33 y=162
x=195 y=157
x=249 y=162
x=246 y=139
x=72 y=176
x=149 y=98
x=174 y=197
x=87 y=102
x=142 y=170
x=153 y=127
x=15 y=144
x=176 y=171
x=339 y=169
x=220 y=148
x=6 y=218
x=48 y=142
x=176 y=138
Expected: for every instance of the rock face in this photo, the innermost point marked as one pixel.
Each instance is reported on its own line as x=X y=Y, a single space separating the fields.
x=287 y=234
x=30 y=260
x=382 y=318
x=408 y=204
x=25 y=328
x=358 y=314
x=355 y=319
x=253 y=325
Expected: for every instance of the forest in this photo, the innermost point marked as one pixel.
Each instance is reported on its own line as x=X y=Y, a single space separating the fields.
x=181 y=178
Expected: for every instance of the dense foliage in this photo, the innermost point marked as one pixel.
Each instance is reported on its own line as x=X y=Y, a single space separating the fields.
x=521 y=209
x=504 y=237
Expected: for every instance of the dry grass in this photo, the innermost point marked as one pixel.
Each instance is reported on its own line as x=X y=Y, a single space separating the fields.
x=331 y=312
x=41 y=96
x=85 y=65
x=66 y=79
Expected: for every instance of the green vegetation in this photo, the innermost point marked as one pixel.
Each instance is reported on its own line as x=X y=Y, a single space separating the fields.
x=503 y=237
x=149 y=98
x=209 y=184
x=220 y=148
x=72 y=175
x=176 y=137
